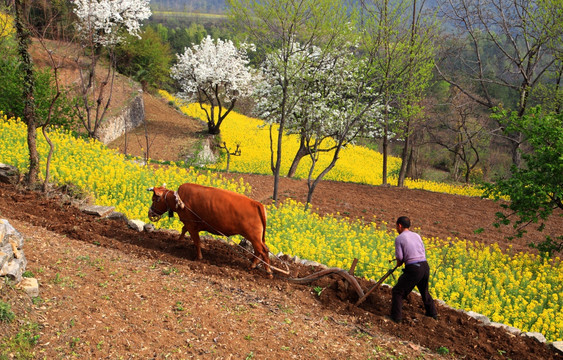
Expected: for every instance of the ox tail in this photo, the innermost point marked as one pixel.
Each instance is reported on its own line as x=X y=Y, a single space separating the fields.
x=263 y=217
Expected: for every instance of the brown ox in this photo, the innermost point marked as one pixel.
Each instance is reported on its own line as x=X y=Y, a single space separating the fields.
x=217 y=211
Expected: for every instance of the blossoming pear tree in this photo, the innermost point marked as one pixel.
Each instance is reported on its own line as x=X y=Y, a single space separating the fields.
x=101 y=25
x=214 y=73
x=332 y=102
x=103 y=21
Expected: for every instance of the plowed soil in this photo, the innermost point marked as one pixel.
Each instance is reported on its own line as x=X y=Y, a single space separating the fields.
x=107 y=291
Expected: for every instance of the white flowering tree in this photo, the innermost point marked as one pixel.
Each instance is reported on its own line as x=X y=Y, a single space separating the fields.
x=214 y=73
x=332 y=102
x=276 y=26
x=101 y=25
x=103 y=22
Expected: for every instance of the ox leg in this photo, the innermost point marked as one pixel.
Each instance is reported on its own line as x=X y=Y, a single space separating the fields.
x=261 y=251
x=266 y=257
x=194 y=235
x=184 y=230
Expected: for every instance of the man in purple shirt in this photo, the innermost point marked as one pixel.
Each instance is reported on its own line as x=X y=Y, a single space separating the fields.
x=409 y=250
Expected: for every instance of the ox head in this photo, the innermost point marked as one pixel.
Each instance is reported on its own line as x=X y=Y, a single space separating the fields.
x=161 y=202
x=159 y=205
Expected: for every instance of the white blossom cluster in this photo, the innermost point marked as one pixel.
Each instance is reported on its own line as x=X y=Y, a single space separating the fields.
x=328 y=95
x=103 y=20
x=212 y=69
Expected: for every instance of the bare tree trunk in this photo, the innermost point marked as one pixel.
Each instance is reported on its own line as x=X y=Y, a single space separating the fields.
x=410 y=164
x=148 y=143
x=557 y=87
x=385 y=151
x=404 y=156
x=385 y=146
x=301 y=153
x=125 y=137
x=312 y=185
x=29 y=114
x=277 y=167
x=406 y=148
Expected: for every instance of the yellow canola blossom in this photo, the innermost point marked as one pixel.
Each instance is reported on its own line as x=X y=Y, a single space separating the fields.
x=521 y=290
x=356 y=164
x=106 y=174
x=6 y=25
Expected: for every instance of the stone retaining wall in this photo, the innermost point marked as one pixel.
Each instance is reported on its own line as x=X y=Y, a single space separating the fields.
x=130 y=117
x=12 y=257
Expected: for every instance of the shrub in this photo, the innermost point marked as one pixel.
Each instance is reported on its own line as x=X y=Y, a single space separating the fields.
x=6 y=313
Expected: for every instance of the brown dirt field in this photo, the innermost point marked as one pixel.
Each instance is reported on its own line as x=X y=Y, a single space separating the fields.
x=107 y=291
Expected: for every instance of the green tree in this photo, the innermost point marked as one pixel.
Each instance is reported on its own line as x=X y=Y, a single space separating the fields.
x=503 y=44
x=181 y=38
x=399 y=41
x=146 y=59
x=535 y=189
x=12 y=99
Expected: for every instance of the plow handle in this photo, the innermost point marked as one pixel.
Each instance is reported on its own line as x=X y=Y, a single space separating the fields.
x=389 y=272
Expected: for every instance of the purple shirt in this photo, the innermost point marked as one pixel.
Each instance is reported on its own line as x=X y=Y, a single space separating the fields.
x=409 y=248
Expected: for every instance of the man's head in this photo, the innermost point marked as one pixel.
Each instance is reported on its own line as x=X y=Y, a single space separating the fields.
x=403 y=223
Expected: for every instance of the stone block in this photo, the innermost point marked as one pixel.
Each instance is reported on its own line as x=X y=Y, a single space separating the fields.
x=509 y=329
x=536 y=335
x=9 y=174
x=557 y=346
x=129 y=118
x=136 y=225
x=13 y=269
x=30 y=286
x=116 y=215
x=7 y=249
x=2 y=233
x=101 y=211
x=149 y=228
x=3 y=258
x=482 y=318
x=11 y=235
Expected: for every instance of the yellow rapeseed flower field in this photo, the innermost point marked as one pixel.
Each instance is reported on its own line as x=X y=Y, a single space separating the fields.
x=107 y=175
x=356 y=163
x=521 y=290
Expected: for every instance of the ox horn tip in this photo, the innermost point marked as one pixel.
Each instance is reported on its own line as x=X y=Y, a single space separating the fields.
x=150 y=189
x=163 y=185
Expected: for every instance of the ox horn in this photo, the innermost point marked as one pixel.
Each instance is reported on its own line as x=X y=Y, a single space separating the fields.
x=150 y=189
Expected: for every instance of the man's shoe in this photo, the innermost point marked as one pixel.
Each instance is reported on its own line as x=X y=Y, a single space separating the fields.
x=397 y=321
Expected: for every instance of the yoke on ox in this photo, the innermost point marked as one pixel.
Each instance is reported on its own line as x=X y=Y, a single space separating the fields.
x=217 y=211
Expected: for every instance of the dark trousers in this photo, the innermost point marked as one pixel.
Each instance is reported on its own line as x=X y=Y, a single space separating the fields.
x=413 y=275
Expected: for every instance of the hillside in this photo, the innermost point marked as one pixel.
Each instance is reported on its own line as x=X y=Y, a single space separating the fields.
x=173 y=136
x=107 y=291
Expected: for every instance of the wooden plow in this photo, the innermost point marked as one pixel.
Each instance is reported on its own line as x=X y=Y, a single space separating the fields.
x=347 y=275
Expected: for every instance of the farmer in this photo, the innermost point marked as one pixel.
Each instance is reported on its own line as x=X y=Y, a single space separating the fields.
x=409 y=250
